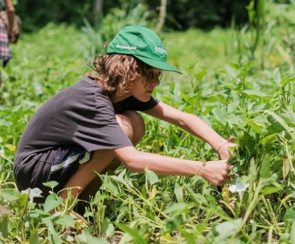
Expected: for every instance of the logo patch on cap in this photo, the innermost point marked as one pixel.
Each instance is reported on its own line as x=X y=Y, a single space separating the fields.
x=160 y=50
x=126 y=47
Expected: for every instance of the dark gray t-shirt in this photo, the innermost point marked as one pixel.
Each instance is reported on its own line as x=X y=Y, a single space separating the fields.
x=80 y=116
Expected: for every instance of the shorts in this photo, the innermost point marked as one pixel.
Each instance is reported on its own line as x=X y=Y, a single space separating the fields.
x=53 y=165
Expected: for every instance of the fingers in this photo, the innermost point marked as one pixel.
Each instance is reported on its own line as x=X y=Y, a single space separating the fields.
x=226 y=174
x=217 y=172
x=229 y=167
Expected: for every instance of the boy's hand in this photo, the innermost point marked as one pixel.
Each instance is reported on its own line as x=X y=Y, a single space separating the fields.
x=216 y=172
x=224 y=151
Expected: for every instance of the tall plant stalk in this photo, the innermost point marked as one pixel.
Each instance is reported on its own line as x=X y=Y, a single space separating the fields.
x=162 y=15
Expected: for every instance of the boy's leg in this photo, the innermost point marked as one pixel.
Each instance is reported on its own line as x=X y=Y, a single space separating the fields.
x=84 y=183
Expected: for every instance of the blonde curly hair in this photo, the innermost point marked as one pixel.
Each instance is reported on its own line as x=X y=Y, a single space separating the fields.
x=117 y=72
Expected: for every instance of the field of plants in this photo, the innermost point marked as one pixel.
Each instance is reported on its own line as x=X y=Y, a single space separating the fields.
x=241 y=81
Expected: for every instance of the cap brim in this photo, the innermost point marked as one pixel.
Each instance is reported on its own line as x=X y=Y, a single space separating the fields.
x=158 y=64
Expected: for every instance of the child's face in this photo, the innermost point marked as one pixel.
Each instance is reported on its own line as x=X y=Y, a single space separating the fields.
x=143 y=88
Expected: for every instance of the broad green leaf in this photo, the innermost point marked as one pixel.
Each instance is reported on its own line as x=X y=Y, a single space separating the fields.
x=255 y=125
x=22 y=201
x=176 y=207
x=197 y=197
x=232 y=72
x=253 y=168
x=119 y=179
x=10 y=194
x=189 y=237
x=255 y=93
x=111 y=185
x=87 y=238
x=55 y=238
x=286 y=80
x=178 y=193
x=287 y=164
x=5 y=123
x=228 y=228
x=290 y=214
x=153 y=192
x=137 y=238
x=152 y=178
x=4 y=225
x=277 y=76
x=268 y=138
x=108 y=227
x=220 y=115
x=66 y=220
x=53 y=235
x=289 y=117
x=265 y=166
x=271 y=189
x=51 y=184
x=292 y=233
x=51 y=202
x=280 y=121
x=200 y=74
x=34 y=239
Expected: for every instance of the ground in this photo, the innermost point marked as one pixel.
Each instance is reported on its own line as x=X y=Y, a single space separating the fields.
x=5 y=210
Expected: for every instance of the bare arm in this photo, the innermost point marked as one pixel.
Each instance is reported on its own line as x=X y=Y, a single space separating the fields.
x=215 y=172
x=193 y=125
x=10 y=16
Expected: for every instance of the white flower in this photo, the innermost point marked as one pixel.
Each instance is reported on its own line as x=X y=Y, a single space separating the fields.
x=35 y=192
x=238 y=187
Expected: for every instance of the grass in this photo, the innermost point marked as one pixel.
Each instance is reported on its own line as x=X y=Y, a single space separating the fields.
x=238 y=97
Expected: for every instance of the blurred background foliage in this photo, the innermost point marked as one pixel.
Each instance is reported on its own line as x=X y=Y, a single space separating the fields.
x=180 y=15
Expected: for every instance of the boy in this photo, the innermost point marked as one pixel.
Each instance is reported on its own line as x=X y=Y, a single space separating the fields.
x=7 y=19
x=84 y=128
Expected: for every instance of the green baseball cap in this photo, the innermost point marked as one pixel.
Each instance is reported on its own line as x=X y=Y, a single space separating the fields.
x=142 y=43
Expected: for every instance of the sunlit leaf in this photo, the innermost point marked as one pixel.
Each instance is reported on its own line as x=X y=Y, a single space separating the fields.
x=153 y=192
x=280 y=121
x=178 y=192
x=66 y=220
x=108 y=227
x=255 y=93
x=227 y=228
x=292 y=233
x=10 y=194
x=232 y=72
x=151 y=177
x=271 y=189
x=11 y=147
x=287 y=164
x=137 y=238
x=51 y=202
x=50 y=184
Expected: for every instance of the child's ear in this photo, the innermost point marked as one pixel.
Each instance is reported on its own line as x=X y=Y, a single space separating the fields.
x=90 y=74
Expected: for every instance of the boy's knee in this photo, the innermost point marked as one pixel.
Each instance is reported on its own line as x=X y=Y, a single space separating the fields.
x=132 y=124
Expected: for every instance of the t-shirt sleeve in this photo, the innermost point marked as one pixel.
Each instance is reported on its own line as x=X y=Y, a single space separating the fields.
x=142 y=106
x=100 y=130
x=131 y=103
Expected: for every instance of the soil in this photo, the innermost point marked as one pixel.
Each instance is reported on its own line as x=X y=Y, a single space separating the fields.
x=5 y=210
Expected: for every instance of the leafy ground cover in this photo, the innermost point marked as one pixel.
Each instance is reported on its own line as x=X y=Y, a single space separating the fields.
x=251 y=98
